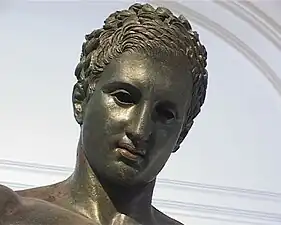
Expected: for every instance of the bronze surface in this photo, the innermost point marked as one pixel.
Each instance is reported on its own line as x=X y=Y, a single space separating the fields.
x=141 y=81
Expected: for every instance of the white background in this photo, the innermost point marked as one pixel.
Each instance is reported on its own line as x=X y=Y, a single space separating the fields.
x=228 y=169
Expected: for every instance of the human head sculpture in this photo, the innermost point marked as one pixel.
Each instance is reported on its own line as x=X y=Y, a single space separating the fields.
x=152 y=33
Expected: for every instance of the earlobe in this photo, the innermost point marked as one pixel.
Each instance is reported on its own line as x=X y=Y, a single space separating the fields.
x=78 y=101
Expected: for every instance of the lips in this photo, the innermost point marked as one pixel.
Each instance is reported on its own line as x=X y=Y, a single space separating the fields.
x=131 y=148
x=129 y=151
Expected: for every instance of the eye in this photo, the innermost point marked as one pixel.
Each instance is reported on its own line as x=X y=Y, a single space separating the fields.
x=165 y=114
x=123 y=97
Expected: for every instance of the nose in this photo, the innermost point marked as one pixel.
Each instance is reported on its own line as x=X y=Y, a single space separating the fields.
x=141 y=125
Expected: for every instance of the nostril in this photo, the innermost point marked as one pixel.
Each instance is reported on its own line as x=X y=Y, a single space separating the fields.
x=139 y=139
x=134 y=137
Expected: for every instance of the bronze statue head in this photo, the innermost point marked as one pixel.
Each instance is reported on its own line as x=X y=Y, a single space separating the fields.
x=142 y=80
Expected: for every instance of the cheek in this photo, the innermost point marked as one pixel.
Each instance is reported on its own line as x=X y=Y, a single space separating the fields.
x=117 y=118
x=94 y=119
x=167 y=136
x=104 y=117
x=165 y=142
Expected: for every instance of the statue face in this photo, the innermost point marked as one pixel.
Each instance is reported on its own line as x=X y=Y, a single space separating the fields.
x=133 y=119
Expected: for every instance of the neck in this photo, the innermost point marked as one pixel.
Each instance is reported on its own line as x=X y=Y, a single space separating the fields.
x=102 y=200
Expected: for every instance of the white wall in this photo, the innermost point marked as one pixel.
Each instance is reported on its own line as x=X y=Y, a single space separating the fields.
x=227 y=170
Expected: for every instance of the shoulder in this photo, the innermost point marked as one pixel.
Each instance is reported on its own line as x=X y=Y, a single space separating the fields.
x=10 y=201
x=50 y=193
x=15 y=209
x=161 y=218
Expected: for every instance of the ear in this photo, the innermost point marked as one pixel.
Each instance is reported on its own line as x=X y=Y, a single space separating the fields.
x=79 y=95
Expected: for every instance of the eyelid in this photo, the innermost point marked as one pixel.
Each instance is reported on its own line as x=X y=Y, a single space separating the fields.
x=174 y=113
x=126 y=88
x=119 y=90
x=171 y=107
x=119 y=101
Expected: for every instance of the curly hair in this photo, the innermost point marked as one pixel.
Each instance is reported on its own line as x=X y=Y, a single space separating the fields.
x=143 y=28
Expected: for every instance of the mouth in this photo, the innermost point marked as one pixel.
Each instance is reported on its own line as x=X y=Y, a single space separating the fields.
x=129 y=151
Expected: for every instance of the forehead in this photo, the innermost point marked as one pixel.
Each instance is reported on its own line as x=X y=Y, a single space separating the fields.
x=158 y=75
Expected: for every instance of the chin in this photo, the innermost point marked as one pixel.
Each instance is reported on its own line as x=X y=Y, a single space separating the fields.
x=122 y=174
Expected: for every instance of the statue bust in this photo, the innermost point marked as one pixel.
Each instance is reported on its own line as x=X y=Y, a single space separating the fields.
x=141 y=81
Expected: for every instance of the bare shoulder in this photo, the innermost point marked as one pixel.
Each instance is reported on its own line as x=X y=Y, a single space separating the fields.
x=10 y=202
x=15 y=209
x=162 y=218
x=50 y=193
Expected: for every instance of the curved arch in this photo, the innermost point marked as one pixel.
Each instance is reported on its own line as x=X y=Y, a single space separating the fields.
x=229 y=38
x=254 y=19
x=261 y=14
